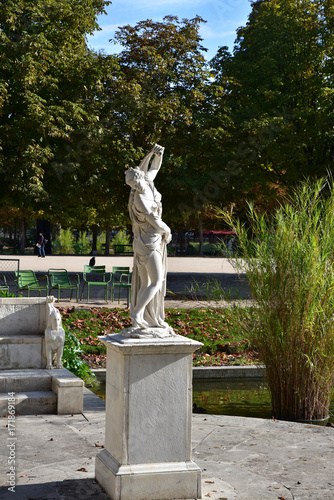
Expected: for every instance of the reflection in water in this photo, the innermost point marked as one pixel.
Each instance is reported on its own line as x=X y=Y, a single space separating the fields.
x=240 y=398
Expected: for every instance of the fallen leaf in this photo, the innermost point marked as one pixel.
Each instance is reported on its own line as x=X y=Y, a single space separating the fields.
x=82 y=469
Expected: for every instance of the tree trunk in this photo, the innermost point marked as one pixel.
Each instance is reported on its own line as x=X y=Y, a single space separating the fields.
x=23 y=236
x=181 y=239
x=107 y=249
x=94 y=243
x=14 y=242
x=200 y=229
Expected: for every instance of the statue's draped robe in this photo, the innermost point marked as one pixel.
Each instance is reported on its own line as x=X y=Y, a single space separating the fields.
x=147 y=239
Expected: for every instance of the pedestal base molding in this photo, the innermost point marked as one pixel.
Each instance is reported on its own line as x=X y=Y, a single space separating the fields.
x=148 y=481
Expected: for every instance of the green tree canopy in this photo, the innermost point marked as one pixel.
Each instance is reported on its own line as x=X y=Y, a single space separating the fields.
x=164 y=62
x=156 y=98
x=46 y=79
x=280 y=86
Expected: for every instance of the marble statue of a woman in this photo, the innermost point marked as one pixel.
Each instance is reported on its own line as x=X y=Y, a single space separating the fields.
x=151 y=235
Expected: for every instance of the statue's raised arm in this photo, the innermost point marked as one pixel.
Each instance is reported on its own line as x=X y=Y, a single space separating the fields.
x=151 y=235
x=157 y=154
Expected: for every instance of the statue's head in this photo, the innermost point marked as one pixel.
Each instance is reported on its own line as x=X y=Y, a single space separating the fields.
x=135 y=178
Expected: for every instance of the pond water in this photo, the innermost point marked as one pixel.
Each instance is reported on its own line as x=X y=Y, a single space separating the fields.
x=235 y=397
x=238 y=397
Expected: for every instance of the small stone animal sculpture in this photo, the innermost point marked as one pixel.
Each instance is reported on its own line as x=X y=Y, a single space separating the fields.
x=54 y=337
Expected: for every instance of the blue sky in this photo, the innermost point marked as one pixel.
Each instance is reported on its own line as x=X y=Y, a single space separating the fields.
x=223 y=18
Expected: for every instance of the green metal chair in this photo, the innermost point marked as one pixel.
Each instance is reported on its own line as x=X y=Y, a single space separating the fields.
x=96 y=276
x=121 y=278
x=27 y=281
x=60 y=280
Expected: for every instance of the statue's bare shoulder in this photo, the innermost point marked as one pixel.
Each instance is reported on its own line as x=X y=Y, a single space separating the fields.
x=144 y=202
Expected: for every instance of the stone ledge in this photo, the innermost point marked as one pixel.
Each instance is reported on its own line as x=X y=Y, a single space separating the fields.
x=24 y=380
x=64 y=378
x=131 y=346
x=26 y=403
x=21 y=339
x=69 y=390
x=216 y=372
x=22 y=300
x=211 y=372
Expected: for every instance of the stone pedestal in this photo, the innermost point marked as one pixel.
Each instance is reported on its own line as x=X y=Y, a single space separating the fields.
x=147 y=453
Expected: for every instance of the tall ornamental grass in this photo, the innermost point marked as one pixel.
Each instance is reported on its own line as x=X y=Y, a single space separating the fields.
x=288 y=257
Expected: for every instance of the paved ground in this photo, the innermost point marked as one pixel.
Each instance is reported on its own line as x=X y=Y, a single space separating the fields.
x=190 y=277
x=240 y=458
x=75 y=263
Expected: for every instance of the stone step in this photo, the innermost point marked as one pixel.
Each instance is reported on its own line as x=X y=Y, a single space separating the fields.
x=21 y=351
x=25 y=380
x=30 y=403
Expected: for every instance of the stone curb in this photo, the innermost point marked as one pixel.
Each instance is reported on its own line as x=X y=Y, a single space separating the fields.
x=211 y=372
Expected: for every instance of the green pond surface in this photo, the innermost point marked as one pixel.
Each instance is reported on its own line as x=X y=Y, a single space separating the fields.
x=239 y=398
x=235 y=397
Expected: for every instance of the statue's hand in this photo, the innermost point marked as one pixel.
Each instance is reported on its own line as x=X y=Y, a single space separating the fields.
x=168 y=238
x=159 y=150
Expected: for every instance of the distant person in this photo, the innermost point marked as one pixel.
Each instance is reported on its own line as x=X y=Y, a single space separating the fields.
x=41 y=245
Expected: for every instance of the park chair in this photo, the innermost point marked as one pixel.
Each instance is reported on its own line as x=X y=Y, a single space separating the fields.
x=27 y=281
x=121 y=278
x=3 y=284
x=96 y=276
x=60 y=280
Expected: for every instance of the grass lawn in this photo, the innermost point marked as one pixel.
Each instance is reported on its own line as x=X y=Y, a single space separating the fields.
x=223 y=332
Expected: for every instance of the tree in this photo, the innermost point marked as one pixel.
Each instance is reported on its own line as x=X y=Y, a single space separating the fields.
x=160 y=89
x=280 y=86
x=47 y=79
x=164 y=62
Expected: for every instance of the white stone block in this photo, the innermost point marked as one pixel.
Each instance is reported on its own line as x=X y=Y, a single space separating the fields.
x=148 y=420
x=21 y=352
x=69 y=390
x=25 y=316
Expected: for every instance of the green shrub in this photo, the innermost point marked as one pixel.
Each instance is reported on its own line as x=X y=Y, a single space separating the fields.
x=5 y=293
x=66 y=240
x=83 y=244
x=121 y=238
x=71 y=358
x=288 y=258
x=208 y=248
